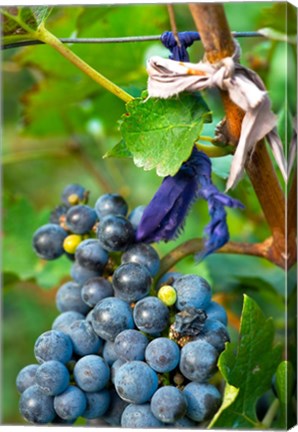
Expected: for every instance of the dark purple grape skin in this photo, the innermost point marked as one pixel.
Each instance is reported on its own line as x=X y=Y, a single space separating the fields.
x=68 y=298
x=65 y=319
x=73 y=190
x=89 y=254
x=143 y=254
x=203 y=400
x=84 y=339
x=110 y=317
x=130 y=345
x=81 y=218
x=97 y=404
x=81 y=274
x=36 y=407
x=168 y=404
x=151 y=315
x=26 y=377
x=96 y=289
x=198 y=360
x=115 y=233
x=52 y=377
x=108 y=204
x=131 y=282
x=91 y=373
x=135 y=216
x=48 y=241
x=70 y=404
x=53 y=345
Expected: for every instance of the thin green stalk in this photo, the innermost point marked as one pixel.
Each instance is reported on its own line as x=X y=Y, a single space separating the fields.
x=22 y=156
x=271 y=413
x=213 y=151
x=45 y=36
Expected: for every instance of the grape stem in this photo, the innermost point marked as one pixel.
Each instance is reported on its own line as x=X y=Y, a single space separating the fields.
x=193 y=246
x=271 y=413
x=47 y=37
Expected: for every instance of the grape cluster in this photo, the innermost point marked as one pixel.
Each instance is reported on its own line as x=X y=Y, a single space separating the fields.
x=124 y=350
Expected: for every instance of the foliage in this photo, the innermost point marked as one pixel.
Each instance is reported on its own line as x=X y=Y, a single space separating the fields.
x=58 y=124
x=247 y=367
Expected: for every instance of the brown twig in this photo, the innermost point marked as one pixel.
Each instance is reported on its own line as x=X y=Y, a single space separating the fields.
x=217 y=40
x=193 y=246
x=292 y=222
x=173 y=23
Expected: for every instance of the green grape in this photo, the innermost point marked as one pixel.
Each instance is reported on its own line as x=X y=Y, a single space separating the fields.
x=167 y=295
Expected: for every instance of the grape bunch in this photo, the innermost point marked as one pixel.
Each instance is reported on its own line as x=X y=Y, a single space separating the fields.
x=126 y=350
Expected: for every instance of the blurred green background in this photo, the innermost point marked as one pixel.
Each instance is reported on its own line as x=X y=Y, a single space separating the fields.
x=57 y=125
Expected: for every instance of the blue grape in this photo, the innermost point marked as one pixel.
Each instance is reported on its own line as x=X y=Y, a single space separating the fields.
x=65 y=319
x=108 y=204
x=168 y=404
x=84 y=339
x=70 y=404
x=91 y=255
x=215 y=333
x=89 y=316
x=151 y=315
x=26 y=377
x=198 y=360
x=68 y=298
x=192 y=291
x=36 y=407
x=136 y=382
x=203 y=401
x=58 y=214
x=162 y=354
x=96 y=289
x=48 y=241
x=109 y=352
x=131 y=282
x=144 y=254
x=80 y=219
x=73 y=194
x=184 y=422
x=215 y=311
x=91 y=373
x=139 y=417
x=115 y=366
x=110 y=317
x=53 y=345
x=131 y=345
x=81 y=274
x=97 y=404
x=115 y=233
x=115 y=410
x=52 y=377
x=136 y=215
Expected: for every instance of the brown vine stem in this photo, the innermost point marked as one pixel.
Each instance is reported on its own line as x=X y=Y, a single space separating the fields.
x=292 y=222
x=217 y=40
x=193 y=246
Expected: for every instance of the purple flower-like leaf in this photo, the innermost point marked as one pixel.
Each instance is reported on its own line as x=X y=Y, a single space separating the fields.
x=164 y=217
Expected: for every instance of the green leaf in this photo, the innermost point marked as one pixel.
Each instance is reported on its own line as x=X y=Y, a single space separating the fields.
x=285 y=125
x=160 y=133
x=123 y=64
x=20 y=22
x=249 y=367
x=119 y=151
x=285 y=384
x=20 y=220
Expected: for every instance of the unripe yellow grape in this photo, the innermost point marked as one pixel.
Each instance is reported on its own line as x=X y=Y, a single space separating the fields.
x=73 y=199
x=71 y=242
x=167 y=295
